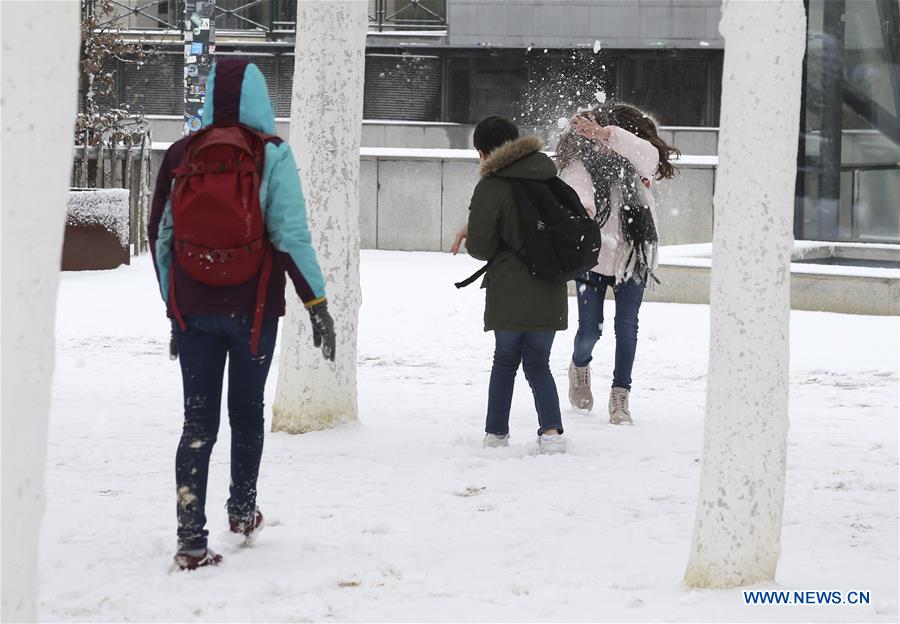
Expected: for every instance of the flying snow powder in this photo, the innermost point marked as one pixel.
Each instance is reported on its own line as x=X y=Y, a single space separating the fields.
x=600 y=96
x=596 y=46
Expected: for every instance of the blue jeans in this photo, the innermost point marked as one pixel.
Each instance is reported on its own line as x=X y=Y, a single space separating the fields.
x=590 y=323
x=532 y=350
x=202 y=351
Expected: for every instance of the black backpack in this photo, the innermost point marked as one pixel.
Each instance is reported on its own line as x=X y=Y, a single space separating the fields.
x=560 y=241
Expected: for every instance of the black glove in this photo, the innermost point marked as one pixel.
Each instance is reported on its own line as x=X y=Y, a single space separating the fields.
x=323 y=329
x=173 y=347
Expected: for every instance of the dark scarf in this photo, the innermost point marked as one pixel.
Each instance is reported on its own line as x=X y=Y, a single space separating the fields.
x=635 y=217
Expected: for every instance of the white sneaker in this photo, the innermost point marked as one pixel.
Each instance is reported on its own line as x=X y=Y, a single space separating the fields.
x=580 y=386
x=619 y=414
x=493 y=440
x=551 y=443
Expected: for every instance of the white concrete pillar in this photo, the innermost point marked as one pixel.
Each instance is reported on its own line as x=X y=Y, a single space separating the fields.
x=738 y=526
x=326 y=127
x=40 y=91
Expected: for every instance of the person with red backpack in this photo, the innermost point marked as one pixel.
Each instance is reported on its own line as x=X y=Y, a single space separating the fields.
x=228 y=220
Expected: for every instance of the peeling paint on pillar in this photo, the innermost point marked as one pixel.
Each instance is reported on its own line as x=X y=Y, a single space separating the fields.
x=738 y=527
x=38 y=106
x=326 y=128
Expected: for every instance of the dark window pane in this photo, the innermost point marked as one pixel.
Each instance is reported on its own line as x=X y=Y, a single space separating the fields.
x=157 y=87
x=402 y=87
x=562 y=82
x=679 y=89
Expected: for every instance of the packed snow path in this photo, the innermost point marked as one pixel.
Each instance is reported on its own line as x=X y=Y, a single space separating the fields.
x=406 y=517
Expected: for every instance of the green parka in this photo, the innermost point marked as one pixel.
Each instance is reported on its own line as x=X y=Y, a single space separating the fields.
x=515 y=301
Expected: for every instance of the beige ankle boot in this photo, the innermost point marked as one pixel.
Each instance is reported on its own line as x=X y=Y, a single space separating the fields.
x=580 y=386
x=619 y=414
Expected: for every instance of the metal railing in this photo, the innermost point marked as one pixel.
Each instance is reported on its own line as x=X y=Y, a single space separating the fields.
x=407 y=15
x=129 y=13
x=275 y=17
x=271 y=17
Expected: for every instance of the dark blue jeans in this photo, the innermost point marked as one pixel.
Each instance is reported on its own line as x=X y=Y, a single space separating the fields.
x=532 y=350
x=590 y=323
x=202 y=351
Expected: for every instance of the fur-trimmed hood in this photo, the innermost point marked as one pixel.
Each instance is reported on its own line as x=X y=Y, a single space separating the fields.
x=519 y=159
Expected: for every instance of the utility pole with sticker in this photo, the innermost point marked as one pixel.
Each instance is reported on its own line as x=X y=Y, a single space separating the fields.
x=199 y=48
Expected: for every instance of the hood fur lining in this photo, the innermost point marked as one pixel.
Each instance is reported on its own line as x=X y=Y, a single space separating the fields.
x=510 y=152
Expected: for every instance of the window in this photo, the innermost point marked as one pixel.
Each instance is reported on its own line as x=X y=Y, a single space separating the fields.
x=848 y=185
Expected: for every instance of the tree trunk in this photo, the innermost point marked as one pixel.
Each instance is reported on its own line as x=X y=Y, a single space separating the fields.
x=326 y=124
x=40 y=85
x=738 y=526
x=145 y=184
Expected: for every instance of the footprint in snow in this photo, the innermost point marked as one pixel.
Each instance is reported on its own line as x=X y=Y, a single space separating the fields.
x=634 y=602
x=470 y=491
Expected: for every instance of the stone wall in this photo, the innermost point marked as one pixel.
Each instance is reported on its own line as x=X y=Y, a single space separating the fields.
x=438 y=135
x=416 y=199
x=413 y=201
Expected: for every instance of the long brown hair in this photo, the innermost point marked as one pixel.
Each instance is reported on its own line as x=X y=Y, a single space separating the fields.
x=628 y=118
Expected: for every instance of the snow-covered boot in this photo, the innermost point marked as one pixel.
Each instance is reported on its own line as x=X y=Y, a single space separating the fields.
x=248 y=527
x=492 y=440
x=193 y=559
x=551 y=443
x=619 y=414
x=580 y=386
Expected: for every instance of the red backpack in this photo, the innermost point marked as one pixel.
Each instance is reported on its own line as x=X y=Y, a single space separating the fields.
x=219 y=231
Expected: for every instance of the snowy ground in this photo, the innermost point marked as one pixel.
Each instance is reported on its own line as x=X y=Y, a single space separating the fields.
x=406 y=517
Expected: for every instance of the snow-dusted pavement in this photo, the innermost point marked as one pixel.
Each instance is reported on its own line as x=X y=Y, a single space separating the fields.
x=406 y=517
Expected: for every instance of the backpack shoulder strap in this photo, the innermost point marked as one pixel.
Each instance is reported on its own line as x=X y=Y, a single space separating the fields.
x=271 y=138
x=503 y=247
x=517 y=189
x=475 y=275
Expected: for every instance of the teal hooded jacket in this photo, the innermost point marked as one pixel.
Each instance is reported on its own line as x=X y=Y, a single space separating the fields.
x=236 y=92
